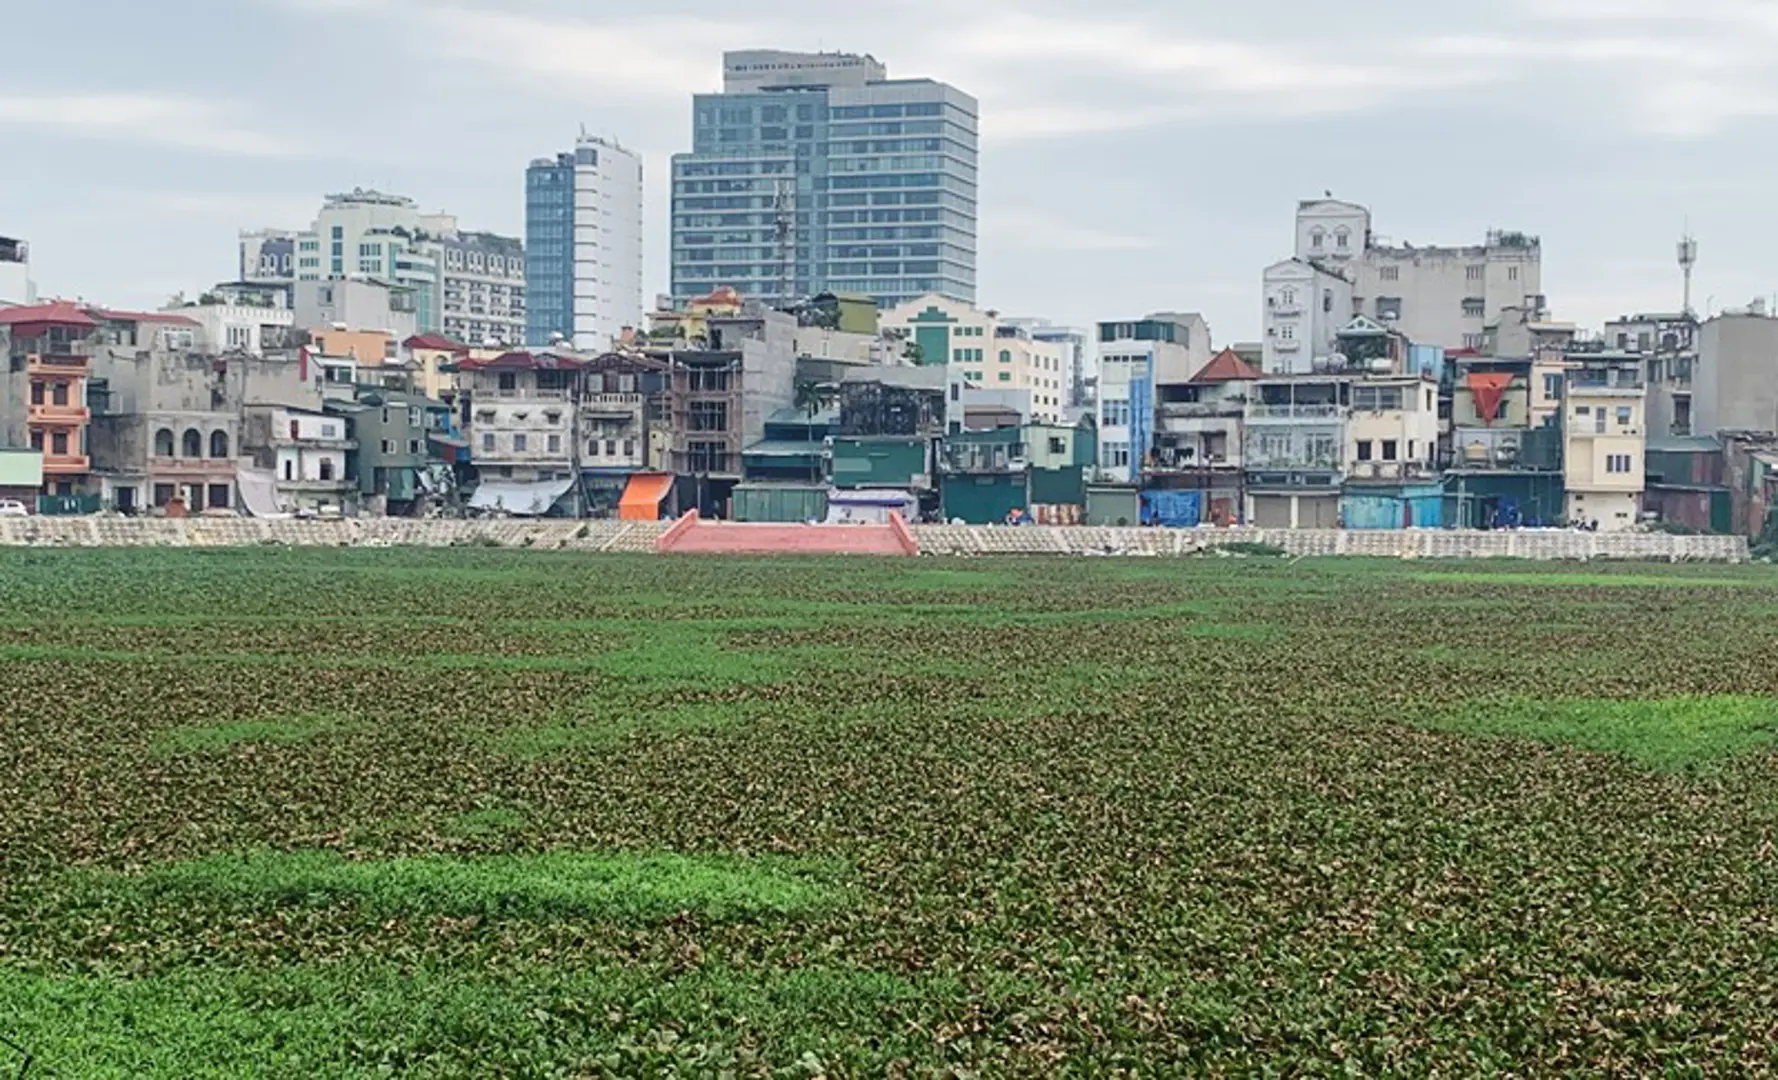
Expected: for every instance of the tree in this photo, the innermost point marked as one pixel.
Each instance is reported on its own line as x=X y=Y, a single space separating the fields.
x=913 y=353
x=814 y=398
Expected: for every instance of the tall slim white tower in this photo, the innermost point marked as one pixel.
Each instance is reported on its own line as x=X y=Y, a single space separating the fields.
x=1688 y=258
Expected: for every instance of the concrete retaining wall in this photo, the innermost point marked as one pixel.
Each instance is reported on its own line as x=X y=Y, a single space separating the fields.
x=933 y=539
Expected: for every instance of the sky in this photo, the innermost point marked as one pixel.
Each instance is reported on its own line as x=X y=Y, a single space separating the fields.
x=1136 y=156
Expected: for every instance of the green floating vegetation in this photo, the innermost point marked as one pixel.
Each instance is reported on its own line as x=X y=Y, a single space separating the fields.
x=376 y=1020
x=1666 y=733
x=615 y=887
x=1590 y=581
x=201 y=738
x=600 y=729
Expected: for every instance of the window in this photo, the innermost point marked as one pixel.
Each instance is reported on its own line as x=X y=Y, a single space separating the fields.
x=388 y=446
x=413 y=446
x=1364 y=450
x=1115 y=455
x=1058 y=446
x=1474 y=341
x=520 y=444
x=508 y=381
x=1388 y=307
x=37 y=440
x=191 y=444
x=487 y=442
x=555 y=444
x=1117 y=412
x=1286 y=296
x=1006 y=376
x=1599 y=421
x=163 y=443
x=1512 y=273
x=1006 y=356
x=1389 y=273
x=327 y=468
x=1342 y=238
x=1474 y=307
x=1625 y=416
x=1617 y=463
x=1376 y=398
x=58 y=394
x=1476 y=273
x=610 y=447
x=58 y=443
x=1389 y=450
x=1411 y=446
x=36 y=393
x=1287 y=332
x=219 y=444
x=1552 y=387
x=1317 y=239
x=629 y=448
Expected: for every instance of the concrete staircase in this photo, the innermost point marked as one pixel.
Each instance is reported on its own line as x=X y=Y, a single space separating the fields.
x=693 y=536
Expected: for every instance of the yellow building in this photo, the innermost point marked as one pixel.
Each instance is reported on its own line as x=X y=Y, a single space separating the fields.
x=1604 y=438
x=690 y=328
x=434 y=358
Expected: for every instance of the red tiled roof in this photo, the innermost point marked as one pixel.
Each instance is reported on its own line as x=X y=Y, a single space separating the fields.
x=525 y=361
x=54 y=313
x=1225 y=366
x=434 y=341
x=141 y=316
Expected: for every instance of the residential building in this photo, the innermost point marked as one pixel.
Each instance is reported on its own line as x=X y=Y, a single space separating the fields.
x=1444 y=296
x=1195 y=472
x=583 y=231
x=468 y=284
x=1306 y=304
x=356 y=305
x=721 y=398
x=624 y=410
x=1686 y=482
x=16 y=286
x=1036 y=469
x=1135 y=358
x=1668 y=344
x=1504 y=468
x=43 y=400
x=1392 y=475
x=1605 y=438
x=167 y=411
x=816 y=172
x=433 y=358
x=1735 y=384
x=393 y=431
x=483 y=287
x=1078 y=356
x=310 y=454
x=240 y=317
x=983 y=351
x=889 y=421
x=1296 y=450
x=524 y=430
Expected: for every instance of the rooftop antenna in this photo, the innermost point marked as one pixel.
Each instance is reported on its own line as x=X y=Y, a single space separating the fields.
x=1688 y=258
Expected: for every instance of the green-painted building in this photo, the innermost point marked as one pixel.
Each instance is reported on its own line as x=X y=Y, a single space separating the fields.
x=1040 y=469
x=394 y=431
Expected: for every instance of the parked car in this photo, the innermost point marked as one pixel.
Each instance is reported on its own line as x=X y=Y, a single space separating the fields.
x=13 y=508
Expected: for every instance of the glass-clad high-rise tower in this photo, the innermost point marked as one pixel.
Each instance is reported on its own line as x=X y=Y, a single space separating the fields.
x=816 y=172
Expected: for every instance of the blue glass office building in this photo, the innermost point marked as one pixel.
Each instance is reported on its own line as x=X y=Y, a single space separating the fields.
x=816 y=173
x=549 y=249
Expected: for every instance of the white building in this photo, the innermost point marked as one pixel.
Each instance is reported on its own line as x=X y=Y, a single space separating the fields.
x=1079 y=360
x=983 y=351
x=357 y=305
x=16 y=286
x=466 y=284
x=1444 y=296
x=239 y=318
x=305 y=451
x=1306 y=303
x=1163 y=349
x=607 y=243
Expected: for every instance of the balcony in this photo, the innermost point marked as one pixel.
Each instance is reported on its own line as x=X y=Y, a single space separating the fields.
x=66 y=464
x=1392 y=471
x=1286 y=344
x=1280 y=306
x=1505 y=450
x=1286 y=414
x=612 y=404
x=1228 y=408
x=51 y=414
x=178 y=466
x=515 y=393
x=66 y=364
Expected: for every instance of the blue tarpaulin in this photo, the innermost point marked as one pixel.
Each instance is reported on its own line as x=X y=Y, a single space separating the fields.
x=1173 y=509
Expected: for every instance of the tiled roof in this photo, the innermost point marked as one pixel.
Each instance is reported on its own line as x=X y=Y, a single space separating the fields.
x=54 y=313
x=435 y=341
x=1226 y=367
x=525 y=361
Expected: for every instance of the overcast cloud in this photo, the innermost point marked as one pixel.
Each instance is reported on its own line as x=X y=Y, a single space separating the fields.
x=1136 y=154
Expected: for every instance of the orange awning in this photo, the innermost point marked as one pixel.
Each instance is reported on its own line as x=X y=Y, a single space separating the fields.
x=643 y=495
